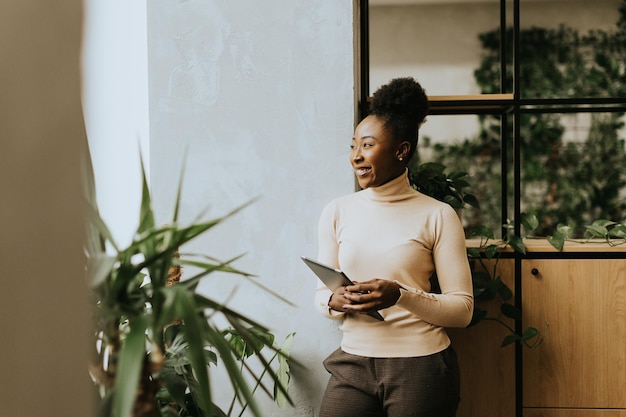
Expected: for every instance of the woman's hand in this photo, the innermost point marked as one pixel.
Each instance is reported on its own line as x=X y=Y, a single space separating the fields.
x=364 y=297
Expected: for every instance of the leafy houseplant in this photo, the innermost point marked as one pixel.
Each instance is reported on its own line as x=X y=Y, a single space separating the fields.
x=601 y=230
x=488 y=284
x=431 y=179
x=155 y=341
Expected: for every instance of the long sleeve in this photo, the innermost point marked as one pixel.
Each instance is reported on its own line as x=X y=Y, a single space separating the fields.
x=455 y=305
x=328 y=248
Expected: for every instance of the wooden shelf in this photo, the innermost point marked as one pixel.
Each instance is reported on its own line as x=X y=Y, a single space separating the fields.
x=582 y=245
x=541 y=245
x=471 y=104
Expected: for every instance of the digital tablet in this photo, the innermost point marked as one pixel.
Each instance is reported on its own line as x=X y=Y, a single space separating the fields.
x=333 y=278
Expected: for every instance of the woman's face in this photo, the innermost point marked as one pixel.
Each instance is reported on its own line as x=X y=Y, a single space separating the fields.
x=375 y=154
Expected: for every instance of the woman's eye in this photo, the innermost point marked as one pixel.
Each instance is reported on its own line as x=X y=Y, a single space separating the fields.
x=353 y=147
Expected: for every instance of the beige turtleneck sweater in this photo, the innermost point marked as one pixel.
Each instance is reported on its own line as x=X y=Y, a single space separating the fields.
x=394 y=232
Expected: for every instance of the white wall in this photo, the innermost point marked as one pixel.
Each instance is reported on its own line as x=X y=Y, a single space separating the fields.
x=260 y=97
x=115 y=102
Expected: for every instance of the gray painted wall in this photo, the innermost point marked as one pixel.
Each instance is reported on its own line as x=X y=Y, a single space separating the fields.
x=258 y=99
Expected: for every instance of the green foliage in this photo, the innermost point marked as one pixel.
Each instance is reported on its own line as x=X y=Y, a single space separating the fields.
x=488 y=284
x=431 y=179
x=156 y=341
x=563 y=181
x=600 y=231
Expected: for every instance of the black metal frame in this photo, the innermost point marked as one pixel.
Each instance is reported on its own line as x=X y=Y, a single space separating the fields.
x=505 y=108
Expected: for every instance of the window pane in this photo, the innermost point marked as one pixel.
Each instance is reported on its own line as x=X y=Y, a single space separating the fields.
x=573 y=169
x=434 y=41
x=469 y=144
x=571 y=48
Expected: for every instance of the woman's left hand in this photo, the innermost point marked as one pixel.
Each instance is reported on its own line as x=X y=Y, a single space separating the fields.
x=372 y=295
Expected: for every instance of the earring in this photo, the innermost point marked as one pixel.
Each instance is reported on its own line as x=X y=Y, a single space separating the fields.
x=400 y=159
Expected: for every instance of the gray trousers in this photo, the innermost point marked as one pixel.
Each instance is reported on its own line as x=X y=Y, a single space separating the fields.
x=425 y=386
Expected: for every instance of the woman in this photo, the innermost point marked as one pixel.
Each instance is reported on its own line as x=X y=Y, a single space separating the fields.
x=390 y=240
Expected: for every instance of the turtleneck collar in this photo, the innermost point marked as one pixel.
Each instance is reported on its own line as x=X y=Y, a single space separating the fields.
x=397 y=189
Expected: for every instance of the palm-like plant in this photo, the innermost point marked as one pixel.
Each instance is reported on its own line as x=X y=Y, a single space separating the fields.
x=155 y=341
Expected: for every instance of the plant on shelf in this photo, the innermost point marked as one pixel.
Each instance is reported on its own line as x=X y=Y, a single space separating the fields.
x=155 y=336
x=489 y=286
x=431 y=179
x=600 y=231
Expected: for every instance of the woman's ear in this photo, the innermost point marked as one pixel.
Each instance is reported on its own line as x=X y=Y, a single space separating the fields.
x=403 y=150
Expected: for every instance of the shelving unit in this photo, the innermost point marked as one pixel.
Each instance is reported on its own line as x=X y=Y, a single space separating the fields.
x=509 y=106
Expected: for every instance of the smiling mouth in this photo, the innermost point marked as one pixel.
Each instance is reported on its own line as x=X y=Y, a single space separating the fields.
x=362 y=171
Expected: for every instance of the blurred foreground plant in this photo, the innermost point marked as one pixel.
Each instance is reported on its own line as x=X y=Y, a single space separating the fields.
x=156 y=341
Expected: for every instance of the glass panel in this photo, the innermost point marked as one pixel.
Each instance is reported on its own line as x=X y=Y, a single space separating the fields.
x=573 y=169
x=572 y=48
x=471 y=145
x=434 y=41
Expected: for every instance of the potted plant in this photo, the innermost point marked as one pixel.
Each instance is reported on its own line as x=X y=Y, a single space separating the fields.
x=432 y=179
x=155 y=337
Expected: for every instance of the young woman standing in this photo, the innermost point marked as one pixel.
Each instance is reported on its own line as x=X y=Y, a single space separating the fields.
x=390 y=240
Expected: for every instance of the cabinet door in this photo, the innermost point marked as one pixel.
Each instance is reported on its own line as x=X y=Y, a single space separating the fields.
x=487 y=370
x=572 y=412
x=582 y=361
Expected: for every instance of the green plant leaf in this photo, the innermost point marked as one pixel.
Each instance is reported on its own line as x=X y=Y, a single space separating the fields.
x=603 y=223
x=512 y=338
x=529 y=221
x=473 y=252
x=597 y=230
x=478 y=315
x=502 y=289
x=284 y=373
x=518 y=244
x=557 y=240
x=433 y=167
x=529 y=333
x=99 y=230
x=491 y=251
x=471 y=200
x=175 y=384
x=482 y=231
x=564 y=230
x=511 y=311
x=146 y=216
x=619 y=231
x=131 y=361
x=458 y=175
x=194 y=329
x=453 y=201
x=99 y=268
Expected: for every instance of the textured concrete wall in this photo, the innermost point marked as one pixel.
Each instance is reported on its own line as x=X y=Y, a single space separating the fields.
x=259 y=99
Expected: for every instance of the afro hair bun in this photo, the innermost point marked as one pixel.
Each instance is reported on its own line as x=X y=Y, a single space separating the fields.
x=401 y=97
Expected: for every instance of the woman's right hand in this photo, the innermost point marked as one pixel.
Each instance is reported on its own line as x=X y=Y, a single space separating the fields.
x=337 y=300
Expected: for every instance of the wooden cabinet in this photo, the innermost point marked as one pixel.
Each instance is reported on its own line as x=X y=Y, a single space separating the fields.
x=581 y=364
x=580 y=368
x=487 y=370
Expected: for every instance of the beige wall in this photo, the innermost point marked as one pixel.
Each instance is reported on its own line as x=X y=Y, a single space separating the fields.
x=43 y=311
